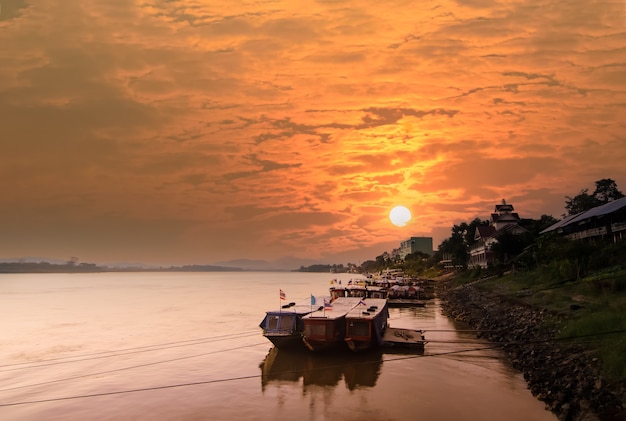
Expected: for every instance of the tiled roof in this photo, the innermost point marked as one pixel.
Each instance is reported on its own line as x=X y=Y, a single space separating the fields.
x=484 y=231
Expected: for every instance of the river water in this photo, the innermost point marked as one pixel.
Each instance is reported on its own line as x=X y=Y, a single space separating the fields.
x=187 y=346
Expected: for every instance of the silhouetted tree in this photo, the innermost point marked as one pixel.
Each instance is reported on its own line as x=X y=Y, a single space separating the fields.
x=606 y=191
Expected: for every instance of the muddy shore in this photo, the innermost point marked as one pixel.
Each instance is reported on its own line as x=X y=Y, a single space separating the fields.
x=563 y=375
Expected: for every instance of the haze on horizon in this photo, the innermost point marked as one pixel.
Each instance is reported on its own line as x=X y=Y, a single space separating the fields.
x=196 y=131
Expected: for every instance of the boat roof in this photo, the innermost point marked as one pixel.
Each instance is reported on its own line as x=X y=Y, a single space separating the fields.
x=340 y=307
x=301 y=307
x=359 y=311
x=360 y=287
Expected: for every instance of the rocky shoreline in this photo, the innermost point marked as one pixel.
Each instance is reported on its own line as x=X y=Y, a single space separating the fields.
x=563 y=375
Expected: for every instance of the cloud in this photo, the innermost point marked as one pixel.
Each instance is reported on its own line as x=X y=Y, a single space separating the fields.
x=214 y=131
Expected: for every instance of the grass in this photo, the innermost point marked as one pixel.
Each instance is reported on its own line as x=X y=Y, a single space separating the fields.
x=590 y=307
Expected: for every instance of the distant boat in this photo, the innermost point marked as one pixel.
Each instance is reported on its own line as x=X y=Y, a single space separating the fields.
x=366 y=324
x=284 y=327
x=358 y=288
x=404 y=296
x=326 y=328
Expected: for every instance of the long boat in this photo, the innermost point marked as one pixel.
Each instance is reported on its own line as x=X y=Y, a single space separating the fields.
x=284 y=327
x=366 y=324
x=326 y=328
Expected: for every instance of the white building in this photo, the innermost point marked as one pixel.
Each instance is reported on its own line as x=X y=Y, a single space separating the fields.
x=413 y=244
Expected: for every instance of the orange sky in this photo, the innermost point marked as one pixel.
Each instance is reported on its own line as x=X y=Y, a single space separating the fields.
x=198 y=131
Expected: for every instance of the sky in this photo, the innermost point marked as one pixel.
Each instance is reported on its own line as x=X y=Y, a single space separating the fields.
x=177 y=132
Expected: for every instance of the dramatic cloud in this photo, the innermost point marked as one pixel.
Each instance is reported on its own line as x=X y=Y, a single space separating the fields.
x=195 y=131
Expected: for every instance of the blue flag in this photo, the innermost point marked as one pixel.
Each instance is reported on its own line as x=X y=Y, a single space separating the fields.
x=312 y=300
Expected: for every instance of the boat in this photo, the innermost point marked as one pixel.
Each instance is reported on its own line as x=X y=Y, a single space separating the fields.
x=284 y=327
x=358 y=290
x=326 y=328
x=366 y=324
x=405 y=296
x=409 y=339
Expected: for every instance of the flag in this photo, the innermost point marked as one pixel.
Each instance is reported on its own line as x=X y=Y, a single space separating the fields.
x=282 y=295
x=361 y=302
x=327 y=305
x=312 y=300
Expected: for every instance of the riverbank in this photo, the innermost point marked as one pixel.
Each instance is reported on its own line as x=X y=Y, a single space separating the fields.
x=566 y=375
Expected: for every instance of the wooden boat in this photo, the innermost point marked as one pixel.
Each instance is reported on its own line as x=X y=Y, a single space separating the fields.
x=326 y=328
x=366 y=324
x=284 y=327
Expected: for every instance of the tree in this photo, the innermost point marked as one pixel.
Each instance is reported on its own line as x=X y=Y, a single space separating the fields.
x=605 y=192
x=583 y=201
x=535 y=226
x=508 y=246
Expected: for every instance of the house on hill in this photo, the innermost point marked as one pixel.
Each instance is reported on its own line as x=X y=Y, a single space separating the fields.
x=606 y=221
x=503 y=220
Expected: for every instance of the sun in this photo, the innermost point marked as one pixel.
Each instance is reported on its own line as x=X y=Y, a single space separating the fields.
x=400 y=215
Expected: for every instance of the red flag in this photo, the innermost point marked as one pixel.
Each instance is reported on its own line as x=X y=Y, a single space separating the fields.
x=282 y=295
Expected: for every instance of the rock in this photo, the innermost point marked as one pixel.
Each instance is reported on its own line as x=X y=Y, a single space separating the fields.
x=563 y=376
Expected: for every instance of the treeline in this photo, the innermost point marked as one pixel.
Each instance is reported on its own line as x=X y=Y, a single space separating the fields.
x=338 y=268
x=45 y=267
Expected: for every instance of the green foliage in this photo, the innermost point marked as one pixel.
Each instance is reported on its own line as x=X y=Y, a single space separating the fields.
x=606 y=325
x=591 y=309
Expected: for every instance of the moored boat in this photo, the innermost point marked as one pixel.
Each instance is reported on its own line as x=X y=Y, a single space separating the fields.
x=358 y=290
x=366 y=324
x=284 y=327
x=326 y=328
x=405 y=295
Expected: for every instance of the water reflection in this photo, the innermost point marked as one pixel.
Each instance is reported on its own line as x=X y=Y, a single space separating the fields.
x=322 y=369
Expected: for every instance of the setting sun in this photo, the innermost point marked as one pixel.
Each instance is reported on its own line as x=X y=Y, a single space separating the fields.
x=400 y=215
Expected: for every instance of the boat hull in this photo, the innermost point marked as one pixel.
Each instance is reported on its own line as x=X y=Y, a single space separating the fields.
x=366 y=325
x=324 y=335
x=325 y=329
x=289 y=341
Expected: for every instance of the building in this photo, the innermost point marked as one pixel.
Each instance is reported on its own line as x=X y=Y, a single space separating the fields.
x=502 y=220
x=413 y=244
x=606 y=221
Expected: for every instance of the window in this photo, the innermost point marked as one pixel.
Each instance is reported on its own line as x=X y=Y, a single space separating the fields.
x=358 y=328
x=315 y=329
x=287 y=322
x=272 y=323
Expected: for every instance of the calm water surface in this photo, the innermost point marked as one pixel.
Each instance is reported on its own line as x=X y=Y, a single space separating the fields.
x=187 y=346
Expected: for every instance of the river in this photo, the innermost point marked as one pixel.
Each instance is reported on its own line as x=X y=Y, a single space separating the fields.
x=187 y=346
